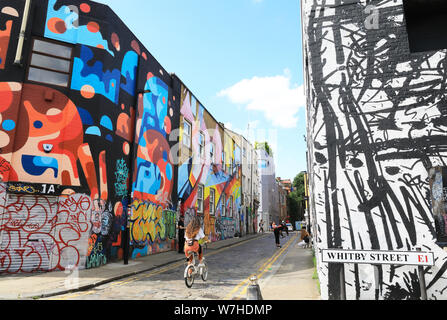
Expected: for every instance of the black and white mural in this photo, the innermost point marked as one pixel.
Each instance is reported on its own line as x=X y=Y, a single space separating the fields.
x=377 y=138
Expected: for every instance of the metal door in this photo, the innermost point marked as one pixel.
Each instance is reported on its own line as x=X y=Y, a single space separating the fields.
x=26 y=238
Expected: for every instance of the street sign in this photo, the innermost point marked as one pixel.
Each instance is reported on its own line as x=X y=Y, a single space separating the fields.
x=417 y=258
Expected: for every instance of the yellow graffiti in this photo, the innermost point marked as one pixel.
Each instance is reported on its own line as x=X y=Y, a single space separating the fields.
x=147 y=223
x=25 y=189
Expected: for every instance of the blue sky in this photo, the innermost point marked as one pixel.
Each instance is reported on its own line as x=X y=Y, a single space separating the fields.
x=241 y=58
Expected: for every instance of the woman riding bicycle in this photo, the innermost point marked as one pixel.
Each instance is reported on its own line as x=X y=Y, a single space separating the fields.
x=194 y=236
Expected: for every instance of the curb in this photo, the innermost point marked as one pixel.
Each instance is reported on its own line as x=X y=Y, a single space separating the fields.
x=126 y=275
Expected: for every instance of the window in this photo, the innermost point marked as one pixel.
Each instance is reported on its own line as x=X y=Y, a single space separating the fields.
x=223 y=205
x=426 y=22
x=244 y=152
x=224 y=161
x=50 y=63
x=212 y=152
x=230 y=209
x=212 y=197
x=186 y=133
x=201 y=144
x=200 y=199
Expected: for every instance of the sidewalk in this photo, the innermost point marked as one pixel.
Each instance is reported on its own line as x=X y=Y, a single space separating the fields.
x=42 y=285
x=292 y=280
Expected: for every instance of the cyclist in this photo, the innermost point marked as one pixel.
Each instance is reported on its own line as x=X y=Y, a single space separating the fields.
x=194 y=237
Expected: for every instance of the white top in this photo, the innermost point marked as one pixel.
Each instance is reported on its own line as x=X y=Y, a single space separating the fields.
x=199 y=235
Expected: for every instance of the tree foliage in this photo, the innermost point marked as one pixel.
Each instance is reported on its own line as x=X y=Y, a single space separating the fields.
x=295 y=199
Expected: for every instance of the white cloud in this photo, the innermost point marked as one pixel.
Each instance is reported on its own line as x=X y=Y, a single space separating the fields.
x=274 y=96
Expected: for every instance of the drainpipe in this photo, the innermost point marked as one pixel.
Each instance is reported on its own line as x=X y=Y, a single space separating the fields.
x=18 y=59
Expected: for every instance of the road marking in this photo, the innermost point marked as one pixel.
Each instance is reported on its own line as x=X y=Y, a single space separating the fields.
x=265 y=267
x=171 y=266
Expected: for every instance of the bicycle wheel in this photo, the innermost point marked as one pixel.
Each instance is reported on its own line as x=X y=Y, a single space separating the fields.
x=205 y=272
x=189 y=276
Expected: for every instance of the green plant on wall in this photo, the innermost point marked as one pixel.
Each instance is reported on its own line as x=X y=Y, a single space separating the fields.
x=264 y=145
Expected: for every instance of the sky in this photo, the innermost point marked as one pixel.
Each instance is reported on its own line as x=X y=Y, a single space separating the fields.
x=241 y=59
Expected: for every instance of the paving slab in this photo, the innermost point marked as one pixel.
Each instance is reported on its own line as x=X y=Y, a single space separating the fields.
x=292 y=279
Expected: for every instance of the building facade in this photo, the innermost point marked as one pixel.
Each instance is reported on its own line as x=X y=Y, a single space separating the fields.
x=100 y=147
x=377 y=131
x=283 y=190
x=209 y=169
x=249 y=186
x=268 y=188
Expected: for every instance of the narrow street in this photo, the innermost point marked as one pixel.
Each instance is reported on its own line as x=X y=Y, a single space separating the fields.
x=229 y=271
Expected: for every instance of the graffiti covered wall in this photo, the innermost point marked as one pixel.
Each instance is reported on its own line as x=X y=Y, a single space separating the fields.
x=207 y=168
x=77 y=141
x=154 y=201
x=376 y=127
x=89 y=146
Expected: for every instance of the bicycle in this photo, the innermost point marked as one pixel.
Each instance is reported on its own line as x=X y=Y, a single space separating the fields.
x=193 y=269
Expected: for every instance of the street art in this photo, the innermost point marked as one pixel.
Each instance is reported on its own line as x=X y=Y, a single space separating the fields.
x=96 y=257
x=91 y=80
x=75 y=161
x=78 y=141
x=153 y=171
x=43 y=234
x=63 y=24
x=50 y=133
x=7 y=13
x=152 y=228
x=153 y=177
x=122 y=176
x=210 y=173
x=376 y=127
x=169 y=219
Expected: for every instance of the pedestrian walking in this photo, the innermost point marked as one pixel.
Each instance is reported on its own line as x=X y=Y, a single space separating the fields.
x=181 y=234
x=281 y=228
x=284 y=227
x=261 y=226
x=276 y=230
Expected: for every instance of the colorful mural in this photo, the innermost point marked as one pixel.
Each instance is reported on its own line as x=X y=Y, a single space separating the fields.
x=8 y=17
x=78 y=141
x=89 y=166
x=209 y=170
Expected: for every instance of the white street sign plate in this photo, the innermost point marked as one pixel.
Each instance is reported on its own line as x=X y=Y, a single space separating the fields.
x=417 y=258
